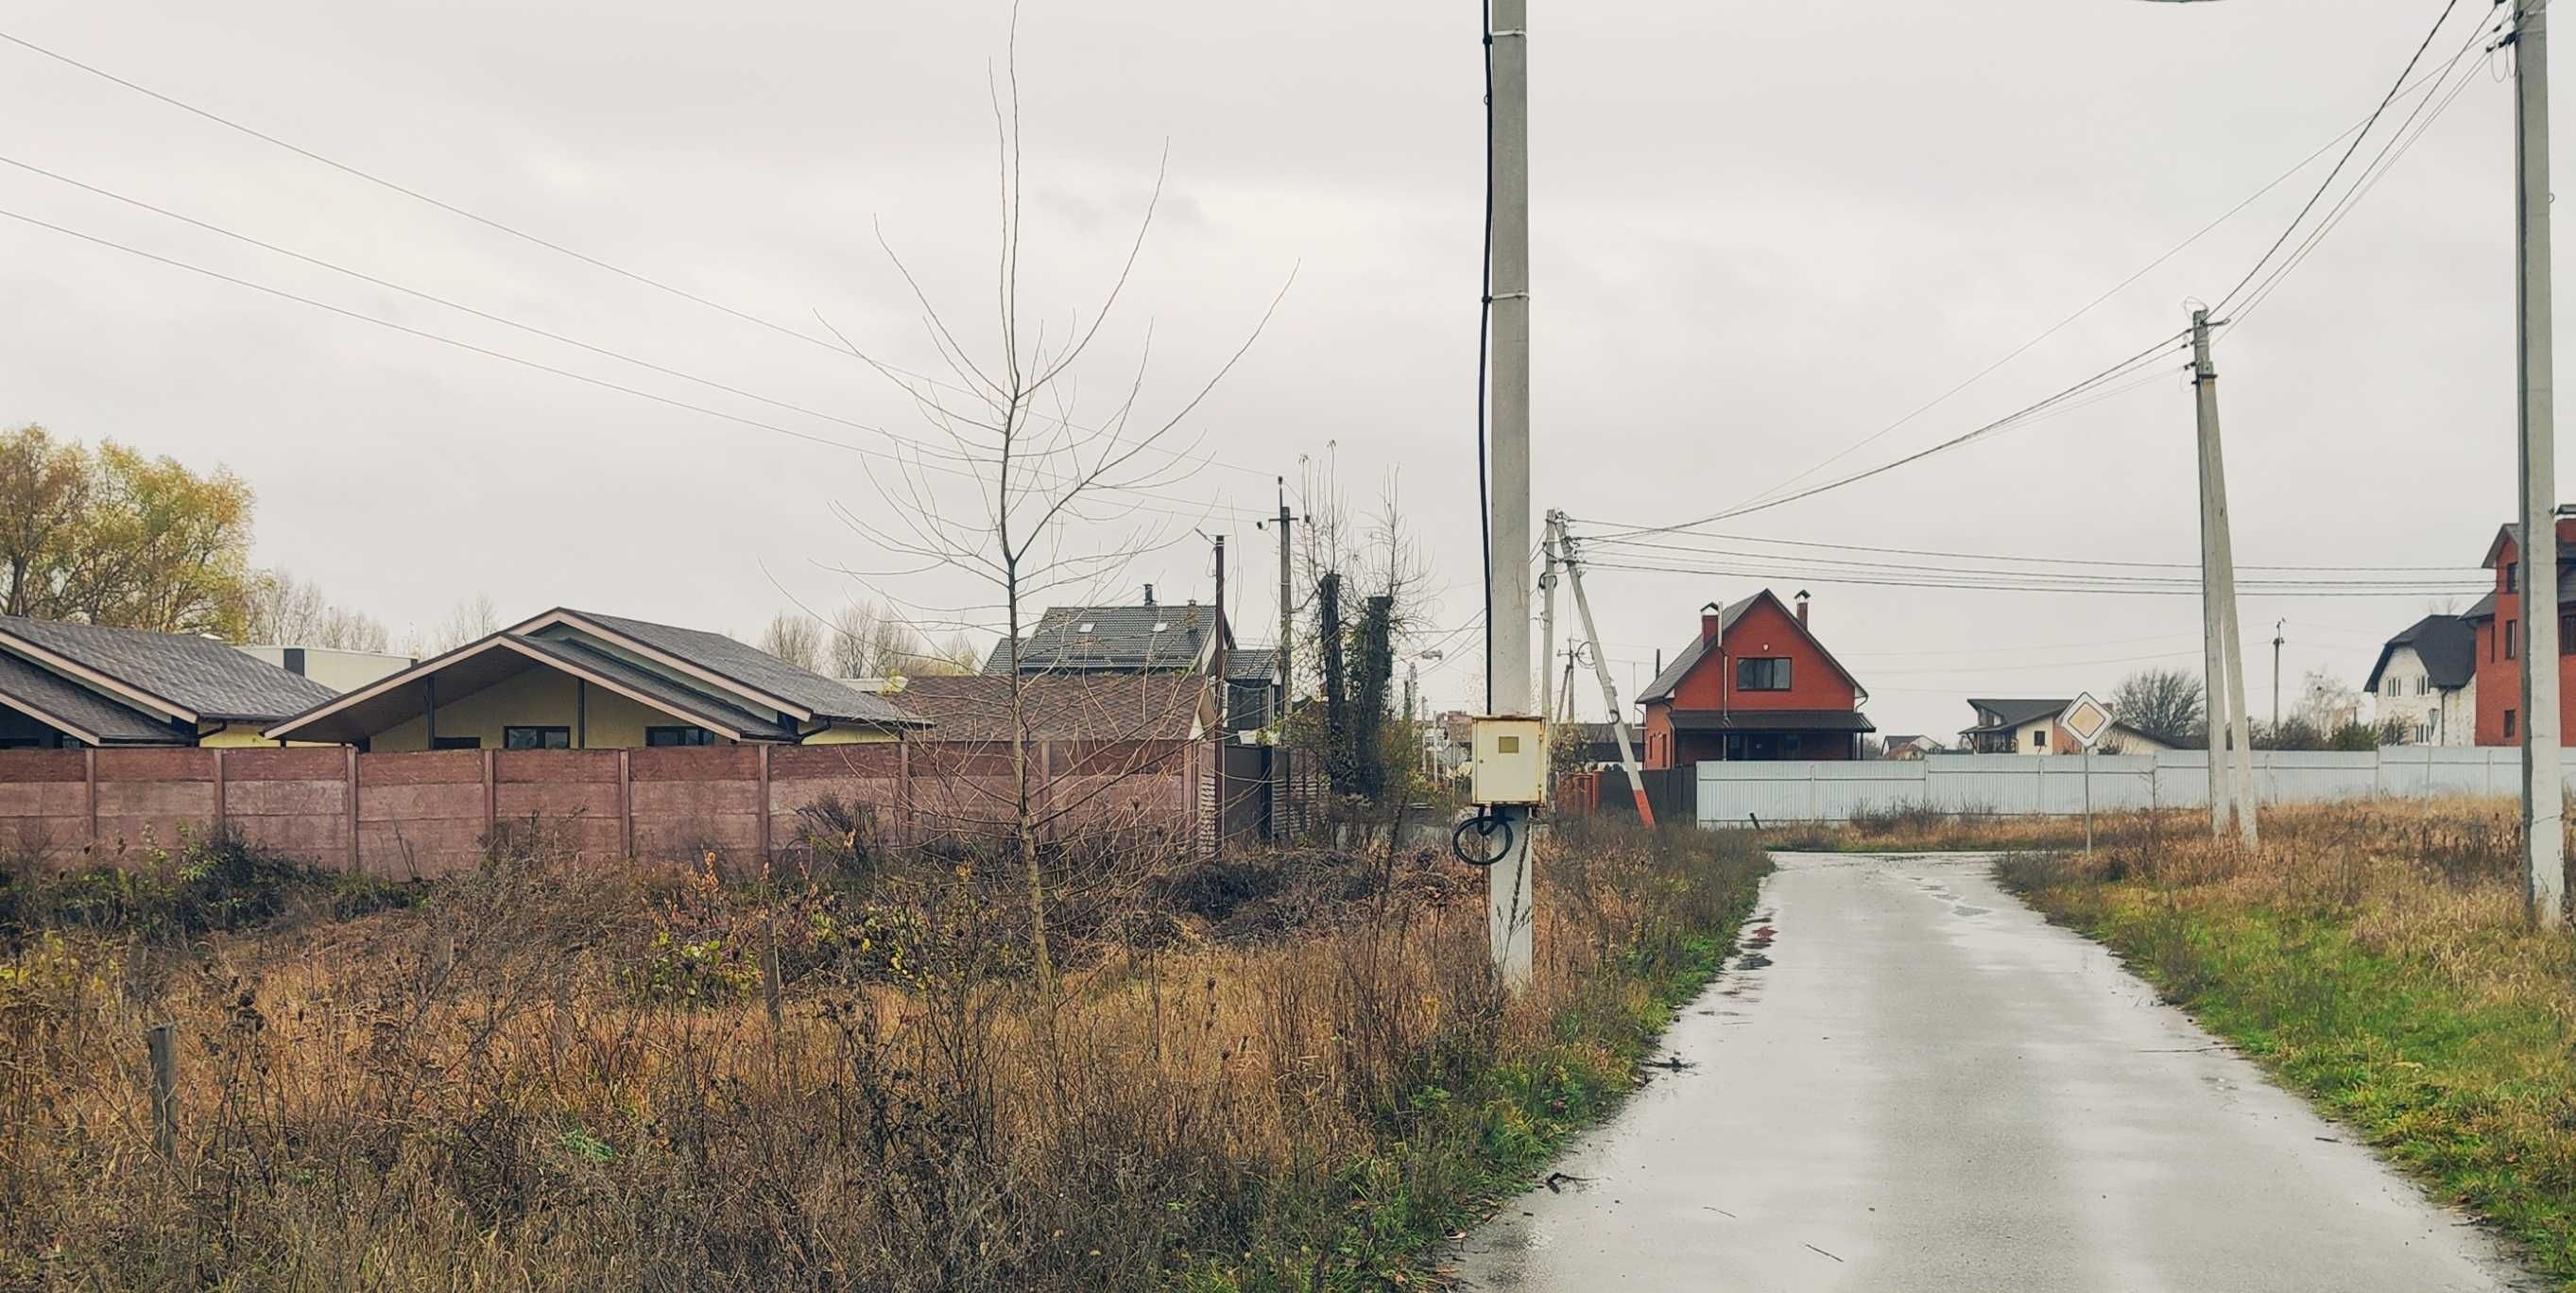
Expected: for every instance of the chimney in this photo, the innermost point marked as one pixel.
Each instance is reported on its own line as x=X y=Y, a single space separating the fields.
x=1149 y=594
x=1802 y=608
x=1709 y=627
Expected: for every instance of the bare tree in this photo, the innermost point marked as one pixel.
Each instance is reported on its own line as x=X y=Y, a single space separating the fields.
x=469 y=620
x=867 y=641
x=1006 y=425
x=796 y=638
x=290 y=611
x=2166 y=704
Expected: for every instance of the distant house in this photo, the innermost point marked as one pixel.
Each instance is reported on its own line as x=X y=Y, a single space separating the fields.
x=1756 y=685
x=2427 y=679
x=2496 y=697
x=78 y=685
x=1152 y=638
x=336 y=669
x=1597 y=744
x=579 y=680
x=2031 y=727
x=1910 y=747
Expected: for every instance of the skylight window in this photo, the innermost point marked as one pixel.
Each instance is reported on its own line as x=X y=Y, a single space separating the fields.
x=1083 y=627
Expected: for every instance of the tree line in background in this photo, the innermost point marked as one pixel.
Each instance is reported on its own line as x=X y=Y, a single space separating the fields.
x=2169 y=705
x=107 y=535
x=864 y=639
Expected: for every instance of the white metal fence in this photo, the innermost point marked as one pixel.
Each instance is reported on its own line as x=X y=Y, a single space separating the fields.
x=2013 y=785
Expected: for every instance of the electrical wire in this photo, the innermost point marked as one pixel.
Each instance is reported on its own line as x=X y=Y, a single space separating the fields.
x=2126 y=368
x=2462 y=571
x=1969 y=581
x=2345 y=160
x=522 y=361
x=523 y=235
x=1484 y=350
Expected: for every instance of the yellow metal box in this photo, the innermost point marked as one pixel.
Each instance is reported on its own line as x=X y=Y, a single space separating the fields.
x=1510 y=761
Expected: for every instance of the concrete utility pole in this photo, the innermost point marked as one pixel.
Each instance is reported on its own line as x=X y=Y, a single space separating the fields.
x=2231 y=782
x=1508 y=892
x=1546 y=621
x=2543 y=793
x=1601 y=666
x=2277 y=626
x=1217 y=656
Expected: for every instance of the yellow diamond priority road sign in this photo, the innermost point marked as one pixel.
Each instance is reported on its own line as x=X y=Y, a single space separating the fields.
x=2087 y=719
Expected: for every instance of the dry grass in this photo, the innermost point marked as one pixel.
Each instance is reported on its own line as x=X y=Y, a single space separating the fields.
x=2376 y=956
x=546 y=1078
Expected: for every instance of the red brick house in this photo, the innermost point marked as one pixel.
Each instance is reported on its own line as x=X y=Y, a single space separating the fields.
x=2498 y=620
x=1755 y=685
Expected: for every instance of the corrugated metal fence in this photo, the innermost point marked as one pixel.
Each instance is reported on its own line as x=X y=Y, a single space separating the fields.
x=2012 y=785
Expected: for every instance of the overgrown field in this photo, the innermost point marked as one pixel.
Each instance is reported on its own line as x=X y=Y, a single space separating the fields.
x=2376 y=958
x=1290 y=1071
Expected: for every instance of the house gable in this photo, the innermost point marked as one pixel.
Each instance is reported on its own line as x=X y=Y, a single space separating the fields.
x=1758 y=627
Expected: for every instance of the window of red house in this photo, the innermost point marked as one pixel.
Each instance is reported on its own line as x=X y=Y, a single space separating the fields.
x=2511 y=648
x=1770 y=674
x=2508 y=723
x=2512 y=576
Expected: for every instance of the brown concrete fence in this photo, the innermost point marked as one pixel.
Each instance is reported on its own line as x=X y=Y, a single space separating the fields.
x=428 y=813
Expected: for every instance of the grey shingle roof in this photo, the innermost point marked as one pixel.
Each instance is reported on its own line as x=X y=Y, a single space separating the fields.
x=1259 y=664
x=2447 y=644
x=191 y=672
x=2014 y=713
x=1112 y=639
x=664 y=692
x=757 y=669
x=24 y=684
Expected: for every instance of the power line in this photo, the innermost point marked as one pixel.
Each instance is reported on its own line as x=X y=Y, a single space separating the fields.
x=2126 y=368
x=2463 y=571
x=2345 y=160
x=522 y=361
x=488 y=222
x=2036 y=583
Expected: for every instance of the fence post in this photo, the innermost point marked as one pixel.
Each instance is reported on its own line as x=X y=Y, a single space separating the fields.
x=219 y=789
x=164 y=1054
x=89 y=779
x=491 y=795
x=903 y=789
x=626 y=802
x=761 y=828
x=349 y=800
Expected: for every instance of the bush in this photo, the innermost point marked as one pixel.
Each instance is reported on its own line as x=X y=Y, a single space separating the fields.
x=218 y=882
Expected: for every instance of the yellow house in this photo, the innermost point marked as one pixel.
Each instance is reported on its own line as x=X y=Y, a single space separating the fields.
x=69 y=686
x=576 y=680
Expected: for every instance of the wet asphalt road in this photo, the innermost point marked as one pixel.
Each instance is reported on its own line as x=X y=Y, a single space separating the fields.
x=1918 y=1084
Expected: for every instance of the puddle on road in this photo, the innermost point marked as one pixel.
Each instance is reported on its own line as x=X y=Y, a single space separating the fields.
x=1964 y=909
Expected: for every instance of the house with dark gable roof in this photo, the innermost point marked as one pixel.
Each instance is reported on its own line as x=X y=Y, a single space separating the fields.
x=2427 y=678
x=2031 y=727
x=578 y=680
x=1151 y=638
x=78 y=685
x=1757 y=685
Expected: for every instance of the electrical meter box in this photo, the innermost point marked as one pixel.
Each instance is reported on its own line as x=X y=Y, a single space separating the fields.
x=1510 y=761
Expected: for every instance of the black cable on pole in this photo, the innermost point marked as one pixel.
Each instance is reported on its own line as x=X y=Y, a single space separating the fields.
x=1484 y=348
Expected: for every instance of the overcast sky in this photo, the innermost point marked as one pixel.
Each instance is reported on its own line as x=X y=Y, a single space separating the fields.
x=1762 y=232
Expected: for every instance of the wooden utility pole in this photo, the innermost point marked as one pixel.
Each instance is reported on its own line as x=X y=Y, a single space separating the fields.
x=1546 y=622
x=2231 y=779
x=2543 y=793
x=1287 y=610
x=1509 y=893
